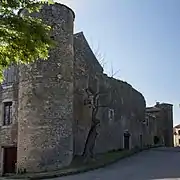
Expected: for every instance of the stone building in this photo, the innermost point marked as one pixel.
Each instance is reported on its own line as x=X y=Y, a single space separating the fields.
x=150 y=129
x=176 y=133
x=163 y=114
x=53 y=110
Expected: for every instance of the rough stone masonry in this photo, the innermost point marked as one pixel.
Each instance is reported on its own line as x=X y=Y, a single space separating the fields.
x=46 y=107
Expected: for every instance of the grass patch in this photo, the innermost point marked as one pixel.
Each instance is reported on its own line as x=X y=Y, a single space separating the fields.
x=99 y=159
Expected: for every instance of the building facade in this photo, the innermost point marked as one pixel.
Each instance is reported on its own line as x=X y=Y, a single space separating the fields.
x=176 y=132
x=163 y=113
x=65 y=106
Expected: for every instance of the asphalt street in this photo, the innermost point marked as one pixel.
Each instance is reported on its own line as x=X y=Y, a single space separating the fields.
x=159 y=164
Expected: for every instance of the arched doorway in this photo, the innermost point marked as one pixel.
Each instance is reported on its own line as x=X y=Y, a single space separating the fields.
x=156 y=140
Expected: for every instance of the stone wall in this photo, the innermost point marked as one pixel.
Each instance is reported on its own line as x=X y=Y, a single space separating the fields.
x=150 y=127
x=8 y=134
x=163 y=113
x=45 y=116
x=51 y=119
x=127 y=104
x=86 y=69
x=166 y=116
x=9 y=93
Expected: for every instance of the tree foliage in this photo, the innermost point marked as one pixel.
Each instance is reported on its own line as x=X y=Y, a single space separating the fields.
x=23 y=39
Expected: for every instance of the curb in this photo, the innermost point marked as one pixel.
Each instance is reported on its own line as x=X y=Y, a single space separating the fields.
x=169 y=150
x=77 y=171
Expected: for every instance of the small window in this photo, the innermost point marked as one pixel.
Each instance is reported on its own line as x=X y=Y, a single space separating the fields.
x=178 y=132
x=7 y=113
x=111 y=114
x=122 y=101
x=147 y=121
x=179 y=141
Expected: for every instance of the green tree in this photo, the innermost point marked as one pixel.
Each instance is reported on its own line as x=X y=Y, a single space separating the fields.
x=23 y=39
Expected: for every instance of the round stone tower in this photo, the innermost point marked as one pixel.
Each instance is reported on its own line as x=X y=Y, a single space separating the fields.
x=45 y=113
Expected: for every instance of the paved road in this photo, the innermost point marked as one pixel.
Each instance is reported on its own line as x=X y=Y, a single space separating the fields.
x=149 y=165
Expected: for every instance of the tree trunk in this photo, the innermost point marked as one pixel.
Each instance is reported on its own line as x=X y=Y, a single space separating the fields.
x=91 y=138
x=90 y=143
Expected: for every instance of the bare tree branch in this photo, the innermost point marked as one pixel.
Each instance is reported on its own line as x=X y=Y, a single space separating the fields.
x=100 y=57
x=112 y=71
x=115 y=72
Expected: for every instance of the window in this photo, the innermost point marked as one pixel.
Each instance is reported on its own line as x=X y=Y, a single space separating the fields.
x=111 y=114
x=178 y=132
x=147 y=121
x=122 y=101
x=10 y=76
x=7 y=113
x=179 y=141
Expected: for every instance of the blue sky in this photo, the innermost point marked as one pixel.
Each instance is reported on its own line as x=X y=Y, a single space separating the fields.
x=139 y=37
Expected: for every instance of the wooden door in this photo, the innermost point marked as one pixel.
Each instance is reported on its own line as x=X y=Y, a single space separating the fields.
x=10 y=159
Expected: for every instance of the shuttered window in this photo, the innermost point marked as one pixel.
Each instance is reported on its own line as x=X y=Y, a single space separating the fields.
x=7 y=113
x=10 y=75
